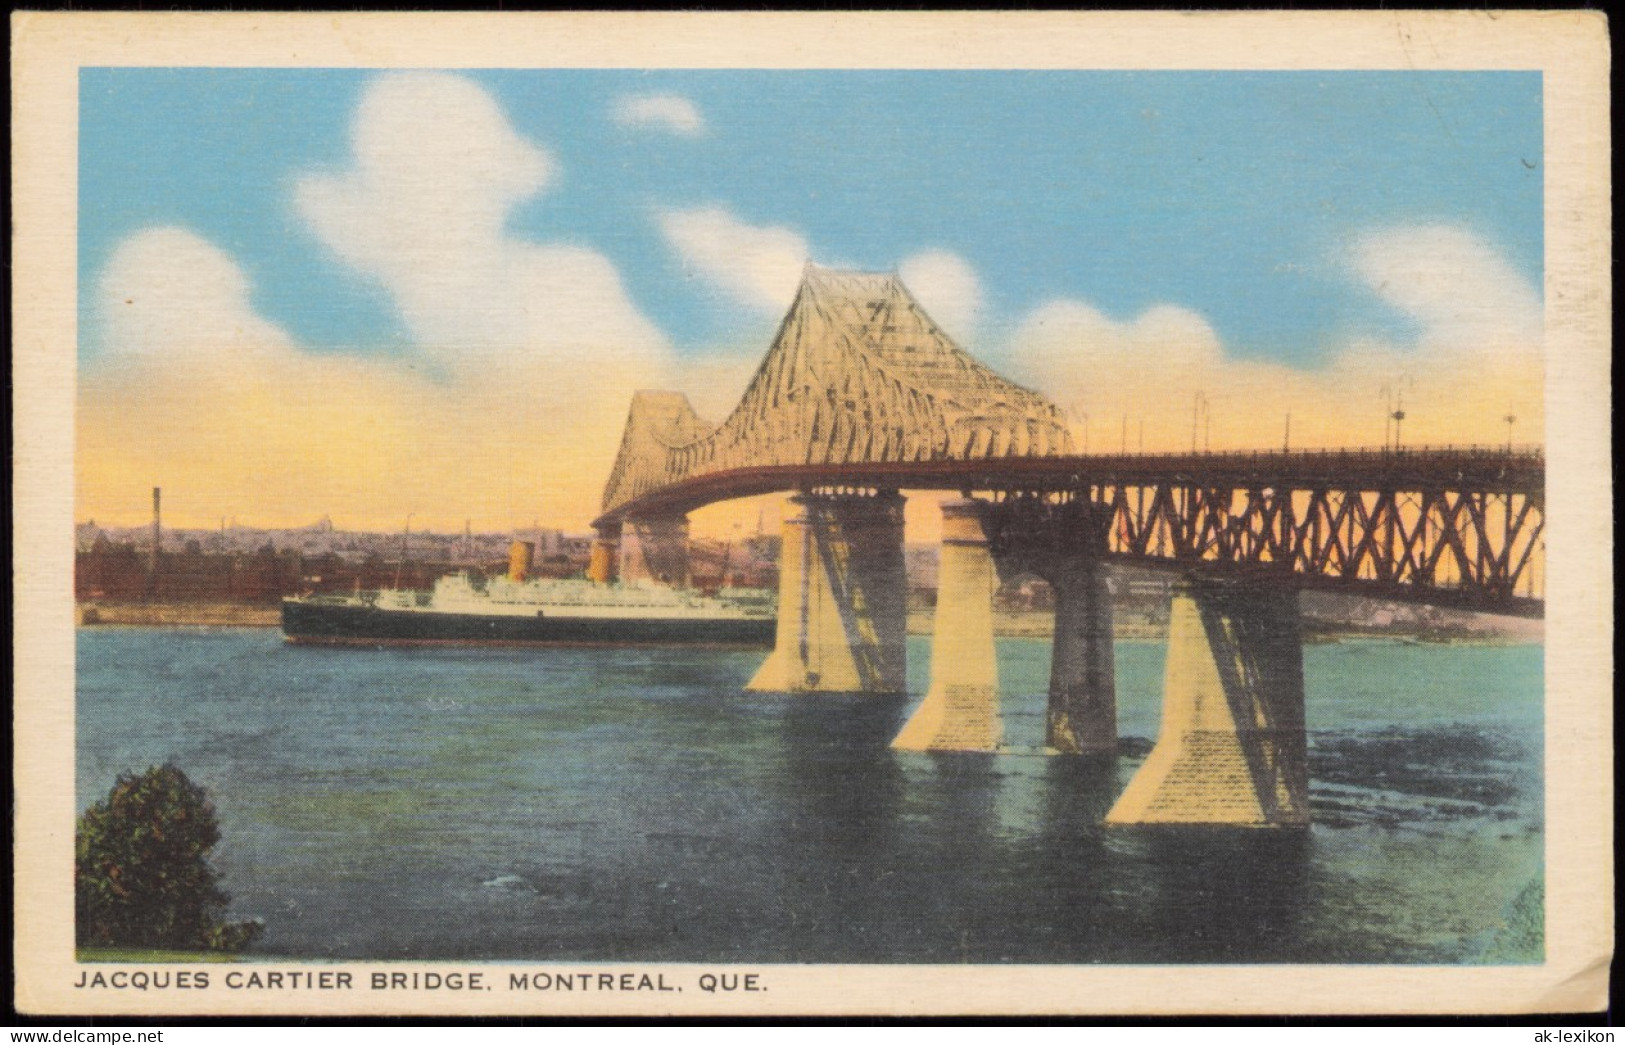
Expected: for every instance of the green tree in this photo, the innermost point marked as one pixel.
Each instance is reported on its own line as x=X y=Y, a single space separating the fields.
x=142 y=876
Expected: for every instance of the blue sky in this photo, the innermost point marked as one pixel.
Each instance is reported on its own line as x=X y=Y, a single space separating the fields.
x=370 y=294
x=1230 y=193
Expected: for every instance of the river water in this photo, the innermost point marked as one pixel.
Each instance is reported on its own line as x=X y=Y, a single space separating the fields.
x=579 y=804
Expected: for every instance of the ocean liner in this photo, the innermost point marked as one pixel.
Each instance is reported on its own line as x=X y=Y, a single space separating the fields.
x=508 y=611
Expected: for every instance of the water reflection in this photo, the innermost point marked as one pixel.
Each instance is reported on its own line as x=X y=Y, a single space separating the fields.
x=1079 y=789
x=1214 y=894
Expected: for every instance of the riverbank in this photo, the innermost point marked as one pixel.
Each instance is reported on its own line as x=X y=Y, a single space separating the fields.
x=249 y=615
x=1036 y=624
x=1033 y=624
x=179 y=614
x=1039 y=624
x=134 y=955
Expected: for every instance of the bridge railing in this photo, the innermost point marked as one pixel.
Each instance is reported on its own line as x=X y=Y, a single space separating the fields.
x=1533 y=452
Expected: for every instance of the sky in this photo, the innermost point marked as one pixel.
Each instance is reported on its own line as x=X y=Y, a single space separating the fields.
x=374 y=295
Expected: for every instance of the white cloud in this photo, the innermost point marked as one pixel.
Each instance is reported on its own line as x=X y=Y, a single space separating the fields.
x=436 y=171
x=509 y=402
x=167 y=294
x=1453 y=284
x=664 y=112
x=1477 y=356
x=758 y=265
x=231 y=415
x=1066 y=333
x=948 y=288
x=1144 y=369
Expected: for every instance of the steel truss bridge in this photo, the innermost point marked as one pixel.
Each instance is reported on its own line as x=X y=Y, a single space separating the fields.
x=861 y=391
x=861 y=396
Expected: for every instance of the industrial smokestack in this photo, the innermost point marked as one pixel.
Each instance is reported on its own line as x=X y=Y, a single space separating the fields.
x=157 y=536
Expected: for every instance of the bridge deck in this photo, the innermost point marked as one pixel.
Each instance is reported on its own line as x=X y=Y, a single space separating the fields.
x=1491 y=471
x=1448 y=527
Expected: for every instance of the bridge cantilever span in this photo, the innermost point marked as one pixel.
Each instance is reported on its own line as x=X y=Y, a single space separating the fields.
x=858 y=373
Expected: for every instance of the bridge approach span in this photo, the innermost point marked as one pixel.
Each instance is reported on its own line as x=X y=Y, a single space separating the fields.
x=1449 y=527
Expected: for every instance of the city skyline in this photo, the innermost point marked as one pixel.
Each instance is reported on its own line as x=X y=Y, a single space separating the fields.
x=382 y=295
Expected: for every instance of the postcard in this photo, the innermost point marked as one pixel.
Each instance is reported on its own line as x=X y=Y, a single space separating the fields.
x=812 y=514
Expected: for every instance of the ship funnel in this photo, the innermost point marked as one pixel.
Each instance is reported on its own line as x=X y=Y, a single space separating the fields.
x=521 y=555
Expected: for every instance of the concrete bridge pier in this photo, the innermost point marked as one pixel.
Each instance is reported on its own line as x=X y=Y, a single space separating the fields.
x=843 y=598
x=1082 y=716
x=655 y=549
x=1065 y=543
x=961 y=709
x=1232 y=748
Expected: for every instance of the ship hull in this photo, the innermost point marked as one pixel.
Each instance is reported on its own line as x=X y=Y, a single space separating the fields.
x=329 y=624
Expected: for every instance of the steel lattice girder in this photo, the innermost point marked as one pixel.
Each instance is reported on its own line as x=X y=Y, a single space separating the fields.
x=1450 y=527
x=858 y=373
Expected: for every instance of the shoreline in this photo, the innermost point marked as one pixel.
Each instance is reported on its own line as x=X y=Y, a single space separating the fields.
x=1037 y=624
x=177 y=614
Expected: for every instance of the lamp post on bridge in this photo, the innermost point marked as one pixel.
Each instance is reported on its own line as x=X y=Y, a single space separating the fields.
x=1393 y=397
x=1078 y=415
